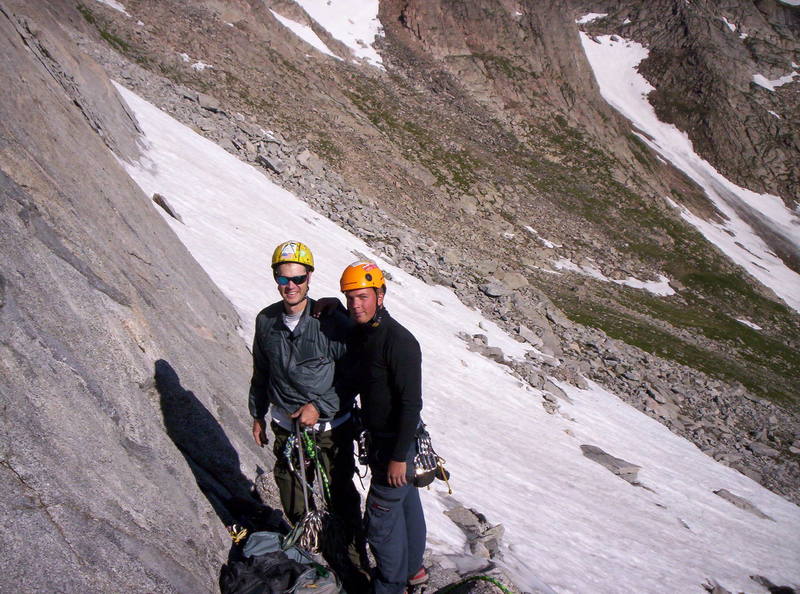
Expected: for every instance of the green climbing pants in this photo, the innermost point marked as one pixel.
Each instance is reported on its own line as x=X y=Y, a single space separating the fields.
x=336 y=455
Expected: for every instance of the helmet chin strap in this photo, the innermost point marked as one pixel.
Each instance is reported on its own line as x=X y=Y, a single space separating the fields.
x=376 y=319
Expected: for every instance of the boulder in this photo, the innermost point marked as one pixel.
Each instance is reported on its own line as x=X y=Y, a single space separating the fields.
x=760 y=449
x=484 y=538
x=618 y=466
x=470 y=522
x=553 y=389
x=513 y=280
x=451 y=257
x=495 y=289
x=741 y=503
x=714 y=588
x=162 y=202
x=310 y=161
x=468 y=205
x=529 y=336
x=271 y=163
x=208 y=102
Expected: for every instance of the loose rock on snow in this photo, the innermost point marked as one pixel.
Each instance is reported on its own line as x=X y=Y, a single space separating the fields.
x=624 y=470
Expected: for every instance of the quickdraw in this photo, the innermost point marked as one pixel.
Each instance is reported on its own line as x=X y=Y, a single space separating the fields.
x=308 y=531
x=288 y=453
x=312 y=449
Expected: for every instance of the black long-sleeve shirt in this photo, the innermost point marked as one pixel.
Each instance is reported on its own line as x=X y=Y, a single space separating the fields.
x=388 y=375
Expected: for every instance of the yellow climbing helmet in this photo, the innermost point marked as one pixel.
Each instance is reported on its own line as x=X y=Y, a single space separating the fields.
x=293 y=251
x=361 y=275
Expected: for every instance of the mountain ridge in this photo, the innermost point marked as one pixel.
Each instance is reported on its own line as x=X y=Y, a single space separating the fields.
x=447 y=177
x=410 y=160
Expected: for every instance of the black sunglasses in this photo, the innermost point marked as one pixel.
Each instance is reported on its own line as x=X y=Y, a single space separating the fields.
x=298 y=280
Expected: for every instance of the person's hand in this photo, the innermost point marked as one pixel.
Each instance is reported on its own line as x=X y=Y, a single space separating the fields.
x=325 y=305
x=396 y=474
x=307 y=415
x=259 y=432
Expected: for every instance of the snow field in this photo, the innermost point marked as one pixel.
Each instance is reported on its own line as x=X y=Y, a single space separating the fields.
x=353 y=22
x=571 y=526
x=305 y=33
x=660 y=287
x=614 y=63
x=115 y=5
x=591 y=16
x=771 y=85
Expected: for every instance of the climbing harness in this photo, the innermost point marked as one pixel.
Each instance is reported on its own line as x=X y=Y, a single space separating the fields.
x=428 y=465
x=473 y=578
x=362 y=450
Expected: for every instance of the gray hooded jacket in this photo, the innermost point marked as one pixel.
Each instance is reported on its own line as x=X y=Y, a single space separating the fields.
x=294 y=367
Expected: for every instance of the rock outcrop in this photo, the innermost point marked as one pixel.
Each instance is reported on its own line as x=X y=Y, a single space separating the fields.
x=114 y=461
x=710 y=63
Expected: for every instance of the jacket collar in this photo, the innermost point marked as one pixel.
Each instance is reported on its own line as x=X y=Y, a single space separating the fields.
x=375 y=324
x=304 y=315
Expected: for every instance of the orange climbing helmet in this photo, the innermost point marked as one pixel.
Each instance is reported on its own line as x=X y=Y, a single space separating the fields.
x=362 y=275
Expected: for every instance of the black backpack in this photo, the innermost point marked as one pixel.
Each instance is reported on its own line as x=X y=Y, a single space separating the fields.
x=264 y=567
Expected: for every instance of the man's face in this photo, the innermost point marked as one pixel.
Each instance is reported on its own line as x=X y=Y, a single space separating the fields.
x=292 y=293
x=363 y=303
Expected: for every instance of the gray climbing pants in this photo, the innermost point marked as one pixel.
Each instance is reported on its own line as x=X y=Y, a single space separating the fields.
x=395 y=526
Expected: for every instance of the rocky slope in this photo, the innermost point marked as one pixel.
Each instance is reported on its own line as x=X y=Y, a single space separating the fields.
x=413 y=158
x=420 y=143
x=474 y=133
x=705 y=60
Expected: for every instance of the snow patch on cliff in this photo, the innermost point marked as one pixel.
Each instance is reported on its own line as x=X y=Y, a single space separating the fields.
x=614 y=62
x=353 y=22
x=305 y=33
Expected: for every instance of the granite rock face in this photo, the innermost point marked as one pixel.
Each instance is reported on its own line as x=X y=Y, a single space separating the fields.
x=115 y=464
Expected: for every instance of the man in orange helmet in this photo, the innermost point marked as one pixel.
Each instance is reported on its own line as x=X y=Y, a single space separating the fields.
x=389 y=381
x=294 y=378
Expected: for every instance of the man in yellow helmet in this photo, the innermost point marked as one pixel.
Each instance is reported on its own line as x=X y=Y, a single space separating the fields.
x=294 y=378
x=389 y=381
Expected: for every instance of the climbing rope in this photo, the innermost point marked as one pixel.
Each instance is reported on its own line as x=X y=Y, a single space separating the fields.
x=473 y=578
